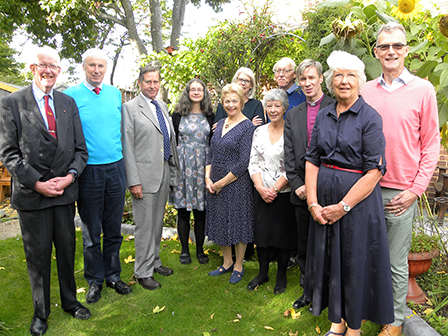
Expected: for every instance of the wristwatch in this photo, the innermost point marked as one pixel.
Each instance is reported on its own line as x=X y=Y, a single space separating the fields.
x=345 y=206
x=74 y=174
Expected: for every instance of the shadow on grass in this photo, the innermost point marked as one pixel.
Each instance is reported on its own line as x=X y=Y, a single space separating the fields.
x=194 y=303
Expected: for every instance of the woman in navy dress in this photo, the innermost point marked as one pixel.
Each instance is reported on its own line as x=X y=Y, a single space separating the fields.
x=229 y=218
x=192 y=121
x=348 y=268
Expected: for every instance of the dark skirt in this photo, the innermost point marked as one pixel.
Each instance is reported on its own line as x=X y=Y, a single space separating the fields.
x=275 y=224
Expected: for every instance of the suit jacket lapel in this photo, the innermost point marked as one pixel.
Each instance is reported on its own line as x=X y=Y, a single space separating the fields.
x=146 y=111
x=35 y=117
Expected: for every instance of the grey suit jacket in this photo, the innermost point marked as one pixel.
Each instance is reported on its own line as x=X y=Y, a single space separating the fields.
x=143 y=146
x=296 y=146
x=31 y=154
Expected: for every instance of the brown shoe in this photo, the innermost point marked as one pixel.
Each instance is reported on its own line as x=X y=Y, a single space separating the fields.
x=149 y=283
x=390 y=330
x=163 y=270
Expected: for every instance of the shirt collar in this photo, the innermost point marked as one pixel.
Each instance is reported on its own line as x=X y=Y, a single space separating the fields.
x=38 y=93
x=316 y=102
x=405 y=77
x=91 y=87
x=292 y=88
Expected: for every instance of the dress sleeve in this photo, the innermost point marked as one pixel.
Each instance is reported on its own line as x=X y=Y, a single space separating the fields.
x=245 y=145
x=255 y=155
x=373 y=140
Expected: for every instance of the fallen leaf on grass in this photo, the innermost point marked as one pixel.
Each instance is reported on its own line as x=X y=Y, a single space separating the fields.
x=132 y=282
x=81 y=290
x=211 y=316
x=291 y=312
x=129 y=238
x=236 y=320
x=205 y=333
x=318 y=330
x=2 y=268
x=268 y=328
x=78 y=229
x=206 y=251
x=129 y=259
x=174 y=237
x=175 y=251
x=441 y=272
x=157 y=309
x=239 y=316
x=428 y=311
x=292 y=333
x=220 y=253
x=429 y=302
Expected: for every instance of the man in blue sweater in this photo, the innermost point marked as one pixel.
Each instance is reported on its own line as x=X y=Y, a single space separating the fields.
x=102 y=185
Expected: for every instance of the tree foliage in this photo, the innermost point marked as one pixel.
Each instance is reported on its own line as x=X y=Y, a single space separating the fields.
x=255 y=42
x=10 y=70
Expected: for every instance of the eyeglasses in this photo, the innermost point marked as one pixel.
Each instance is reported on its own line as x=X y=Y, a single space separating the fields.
x=395 y=46
x=44 y=66
x=285 y=71
x=197 y=90
x=243 y=81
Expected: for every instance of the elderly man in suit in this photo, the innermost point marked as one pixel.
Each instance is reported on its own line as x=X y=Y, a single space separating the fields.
x=152 y=167
x=299 y=124
x=102 y=186
x=42 y=145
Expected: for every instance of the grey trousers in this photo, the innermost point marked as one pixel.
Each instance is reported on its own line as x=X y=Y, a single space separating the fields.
x=399 y=234
x=148 y=216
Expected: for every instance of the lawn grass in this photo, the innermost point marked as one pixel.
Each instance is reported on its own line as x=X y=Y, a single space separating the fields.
x=195 y=303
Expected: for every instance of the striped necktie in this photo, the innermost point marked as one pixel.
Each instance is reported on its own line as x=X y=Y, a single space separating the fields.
x=164 y=129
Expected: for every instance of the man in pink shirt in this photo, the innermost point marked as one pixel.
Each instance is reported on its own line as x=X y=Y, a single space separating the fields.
x=408 y=106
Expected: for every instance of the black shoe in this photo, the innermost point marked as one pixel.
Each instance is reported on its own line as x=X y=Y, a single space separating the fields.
x=292 y=262
x=279 y=289
x=202 y=258
x=120 y=287
x=256 y=282
x=301 y=302
x=80 y=312
x=149 y=283
x=185 y=258
x=163 y=270
x=38 y=326
x=94 y=293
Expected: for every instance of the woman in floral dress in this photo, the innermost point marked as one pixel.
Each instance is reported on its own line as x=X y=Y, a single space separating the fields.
x=192 y=120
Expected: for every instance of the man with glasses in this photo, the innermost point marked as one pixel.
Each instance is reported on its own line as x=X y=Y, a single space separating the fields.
x=152 y=168
x=102 y=185
x=42 y=145
x=408 y=106
x=285 y=77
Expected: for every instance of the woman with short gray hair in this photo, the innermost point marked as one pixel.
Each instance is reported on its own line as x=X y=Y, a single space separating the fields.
x=275 y=229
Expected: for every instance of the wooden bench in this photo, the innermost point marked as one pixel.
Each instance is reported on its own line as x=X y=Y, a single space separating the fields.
x=5 y=182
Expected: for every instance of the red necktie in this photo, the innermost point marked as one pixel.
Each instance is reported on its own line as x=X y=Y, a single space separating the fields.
x=96 y=90
x=50 y=118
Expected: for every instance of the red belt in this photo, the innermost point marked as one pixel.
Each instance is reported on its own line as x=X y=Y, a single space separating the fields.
x=344 y=169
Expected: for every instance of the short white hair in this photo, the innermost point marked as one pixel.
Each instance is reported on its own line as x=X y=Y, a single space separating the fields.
x=343 y=60
x=286 y=60
x=47 y=51
x=95 y=52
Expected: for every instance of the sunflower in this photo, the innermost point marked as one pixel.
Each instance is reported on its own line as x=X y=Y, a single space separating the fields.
x=407 y=9
x=443 y=25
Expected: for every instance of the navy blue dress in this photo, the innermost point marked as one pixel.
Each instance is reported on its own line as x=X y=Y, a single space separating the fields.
x=348 y=267
x=230 y=214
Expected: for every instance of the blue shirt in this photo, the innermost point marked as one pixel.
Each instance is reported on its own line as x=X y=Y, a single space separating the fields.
x=39 y=97
x=295 y=96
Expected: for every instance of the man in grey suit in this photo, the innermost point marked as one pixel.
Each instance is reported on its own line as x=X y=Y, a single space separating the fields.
x=299 y=124
x=152 y=167
x=42 y=145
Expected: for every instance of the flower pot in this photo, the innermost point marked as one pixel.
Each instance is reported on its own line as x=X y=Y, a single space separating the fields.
x=419 y=263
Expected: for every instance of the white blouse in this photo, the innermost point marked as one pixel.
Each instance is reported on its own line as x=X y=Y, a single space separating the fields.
x=266 y=158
